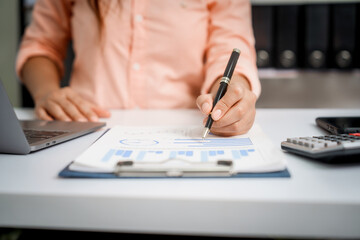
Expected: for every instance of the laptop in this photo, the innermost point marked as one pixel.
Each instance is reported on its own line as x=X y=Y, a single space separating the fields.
x=23 y=137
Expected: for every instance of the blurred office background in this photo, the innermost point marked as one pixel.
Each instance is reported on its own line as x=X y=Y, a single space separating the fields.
x=307 y=52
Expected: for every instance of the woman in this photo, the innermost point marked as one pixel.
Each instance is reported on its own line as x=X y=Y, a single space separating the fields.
x=141 y=54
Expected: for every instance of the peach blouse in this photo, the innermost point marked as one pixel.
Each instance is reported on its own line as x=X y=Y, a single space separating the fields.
x=149 y=53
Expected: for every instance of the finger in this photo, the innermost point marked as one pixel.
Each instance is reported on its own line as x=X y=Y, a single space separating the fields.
x=234 y=94
x=235 y=113
x=91 y=111
x=57 y=112
x=72 y=110
x=236 y=128
x=88 y=112
x=242 y=111
x=42 y=114
x=84 y=108
x=204 y=103
x=81 y=110
x=101 y=112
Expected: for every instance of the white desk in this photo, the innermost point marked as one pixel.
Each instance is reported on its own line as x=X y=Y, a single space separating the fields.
x=317 y=201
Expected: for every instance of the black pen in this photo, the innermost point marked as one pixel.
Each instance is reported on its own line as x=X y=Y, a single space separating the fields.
x=225 y=80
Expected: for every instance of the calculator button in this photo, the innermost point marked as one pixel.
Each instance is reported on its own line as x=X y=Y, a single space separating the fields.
x=350 y=145
x=355 y=134
x=332 y=144
x=318 y=145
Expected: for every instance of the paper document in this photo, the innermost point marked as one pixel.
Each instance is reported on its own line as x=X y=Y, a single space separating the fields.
x=252 y=152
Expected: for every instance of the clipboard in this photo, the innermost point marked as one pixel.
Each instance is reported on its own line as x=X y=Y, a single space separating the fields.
x=127 y=169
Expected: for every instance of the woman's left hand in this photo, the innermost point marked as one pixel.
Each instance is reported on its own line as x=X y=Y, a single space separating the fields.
x=234 y=113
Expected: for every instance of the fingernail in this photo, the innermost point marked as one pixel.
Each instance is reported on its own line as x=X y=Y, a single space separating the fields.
x=205 y=107
x=94 y=119
x=216 y=115
x=82 y=120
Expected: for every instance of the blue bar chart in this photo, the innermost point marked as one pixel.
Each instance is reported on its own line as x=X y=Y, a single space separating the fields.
x=180 y=148
x=192 y=155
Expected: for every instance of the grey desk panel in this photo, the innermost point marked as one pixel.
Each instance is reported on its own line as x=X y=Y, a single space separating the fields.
x=317 y=201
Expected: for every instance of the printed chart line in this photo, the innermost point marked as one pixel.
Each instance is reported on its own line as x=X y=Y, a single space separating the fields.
x=232 y=142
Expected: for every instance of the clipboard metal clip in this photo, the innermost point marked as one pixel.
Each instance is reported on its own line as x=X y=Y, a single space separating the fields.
x=174 y=168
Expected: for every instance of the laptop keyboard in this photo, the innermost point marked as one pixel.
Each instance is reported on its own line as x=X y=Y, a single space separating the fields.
x=36 y=135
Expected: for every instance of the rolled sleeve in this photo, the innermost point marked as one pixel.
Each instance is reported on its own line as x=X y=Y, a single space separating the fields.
x=230 y=27
x=47 y=35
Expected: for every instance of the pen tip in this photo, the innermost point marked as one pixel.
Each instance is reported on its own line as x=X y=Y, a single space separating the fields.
x=236 y=50
x=205 y=133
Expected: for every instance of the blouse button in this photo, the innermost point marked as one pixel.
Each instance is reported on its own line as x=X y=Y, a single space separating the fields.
x=136 y=66
x=138 y=18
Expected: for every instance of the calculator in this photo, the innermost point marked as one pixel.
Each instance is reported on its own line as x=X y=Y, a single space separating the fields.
x=339 y=148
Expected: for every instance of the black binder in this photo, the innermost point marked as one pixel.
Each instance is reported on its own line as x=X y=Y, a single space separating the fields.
x=287 y=26
x=343 y=35
x=317 y=18
x=357 y=37
x=263 y=24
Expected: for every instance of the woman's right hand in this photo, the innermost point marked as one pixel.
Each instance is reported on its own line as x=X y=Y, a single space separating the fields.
x=42 y=77
x=64 y=104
